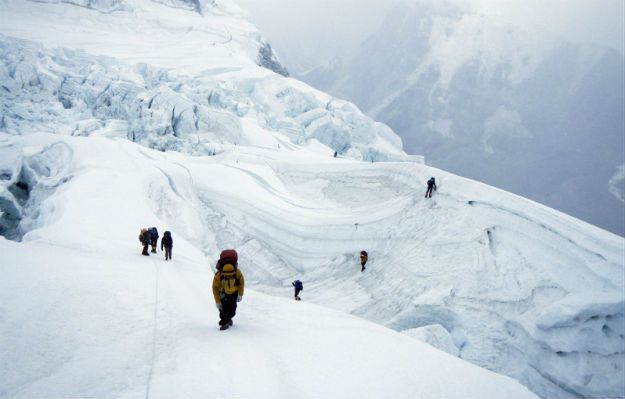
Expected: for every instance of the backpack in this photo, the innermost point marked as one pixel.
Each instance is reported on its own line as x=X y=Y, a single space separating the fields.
x=229 y=283
x=227 y=256
x=298 y=285
x=153 y=232
x=363 y=253
x=229 y=280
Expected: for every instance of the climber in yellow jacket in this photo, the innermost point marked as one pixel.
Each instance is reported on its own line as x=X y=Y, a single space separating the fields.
x=363 y=259
x=228 y=287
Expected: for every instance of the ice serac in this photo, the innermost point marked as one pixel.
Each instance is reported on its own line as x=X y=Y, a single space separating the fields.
x=199 y=83
x=25 y=182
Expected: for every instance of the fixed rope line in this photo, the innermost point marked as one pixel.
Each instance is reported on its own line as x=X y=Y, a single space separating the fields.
x=154 y=330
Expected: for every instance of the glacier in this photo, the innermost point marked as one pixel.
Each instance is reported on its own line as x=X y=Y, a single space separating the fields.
x=70 y=92
x=99 y=138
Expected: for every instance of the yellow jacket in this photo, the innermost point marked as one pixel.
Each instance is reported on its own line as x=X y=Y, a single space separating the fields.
x=228 y=283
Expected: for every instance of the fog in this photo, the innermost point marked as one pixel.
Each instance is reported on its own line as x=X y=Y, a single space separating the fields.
x=305 y=32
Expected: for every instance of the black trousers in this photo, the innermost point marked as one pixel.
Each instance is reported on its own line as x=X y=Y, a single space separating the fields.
x=145 y=249
x=297 y=292
x=228 y=308
x=429 y=192
x=167 y=253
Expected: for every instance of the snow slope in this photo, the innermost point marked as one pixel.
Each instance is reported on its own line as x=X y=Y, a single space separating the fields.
x=498 y=280
x=164 y=34
x=83 y=314
x=516 y=287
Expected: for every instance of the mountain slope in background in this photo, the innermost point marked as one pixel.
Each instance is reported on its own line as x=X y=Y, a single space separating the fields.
x=539 y=117
x=234 y=154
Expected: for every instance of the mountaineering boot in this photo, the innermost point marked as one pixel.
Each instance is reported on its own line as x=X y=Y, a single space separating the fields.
x=224 y=324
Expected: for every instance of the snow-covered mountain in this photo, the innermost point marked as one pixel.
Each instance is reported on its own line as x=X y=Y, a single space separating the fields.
x=531 y=114
x=166 y=77
x=139 y=120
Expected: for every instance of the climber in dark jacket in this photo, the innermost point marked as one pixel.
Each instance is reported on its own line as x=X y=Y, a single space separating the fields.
x=299 y=287
x=167 y=243
x=431 y=186
x=153 y=238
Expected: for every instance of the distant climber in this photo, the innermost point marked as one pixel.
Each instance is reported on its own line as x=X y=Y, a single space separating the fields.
x=363 y=259
x=299 y=287
x=167 y=243
x=144 y=238
x=153 y=238
x=431 y=186
x=335 y=154
x=228 y=286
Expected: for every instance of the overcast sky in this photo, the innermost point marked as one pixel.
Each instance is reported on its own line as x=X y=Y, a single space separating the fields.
x=322 y=28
